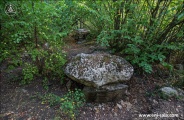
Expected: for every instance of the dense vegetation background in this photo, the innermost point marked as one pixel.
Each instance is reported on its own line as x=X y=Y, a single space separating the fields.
x=144 y=32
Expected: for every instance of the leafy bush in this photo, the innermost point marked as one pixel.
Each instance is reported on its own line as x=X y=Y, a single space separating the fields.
x=147 y=36
x=144 y=36
x=29 y=72
x=53 y=65
x=71 y=102
x=45 y=83
x=51 y=99
x=35 y=24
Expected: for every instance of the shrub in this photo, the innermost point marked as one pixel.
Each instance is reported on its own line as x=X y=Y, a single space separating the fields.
x=145 y=36
x=51 y=99
x=34 y=24
x=29 y=72
x=71 y=102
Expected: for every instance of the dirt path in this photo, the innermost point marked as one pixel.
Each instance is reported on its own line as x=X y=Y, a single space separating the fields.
x=72 y=48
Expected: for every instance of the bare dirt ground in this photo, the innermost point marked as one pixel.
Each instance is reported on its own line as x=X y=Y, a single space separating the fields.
x=20 y=102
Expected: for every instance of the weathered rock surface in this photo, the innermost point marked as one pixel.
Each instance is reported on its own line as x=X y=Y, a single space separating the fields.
x=81 y=34
x=170 y=91
x=96 y=70
x=106 y=93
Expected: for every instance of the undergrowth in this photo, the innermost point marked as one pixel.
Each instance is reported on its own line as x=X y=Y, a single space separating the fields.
x=69 y=103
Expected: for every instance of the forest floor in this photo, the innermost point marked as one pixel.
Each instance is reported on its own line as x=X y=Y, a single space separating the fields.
x=21 y=102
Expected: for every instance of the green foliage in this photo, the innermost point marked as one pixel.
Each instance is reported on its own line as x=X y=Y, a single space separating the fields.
x=51 y=99
x=53 y=64
x=145 y=36
x=71 y=102
x=57 y=118
x=45 y=83
x=37 y=54
x=35 y=24
x=29 y=72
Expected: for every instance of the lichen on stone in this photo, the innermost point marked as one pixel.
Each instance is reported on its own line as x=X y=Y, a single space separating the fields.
x=99 y=69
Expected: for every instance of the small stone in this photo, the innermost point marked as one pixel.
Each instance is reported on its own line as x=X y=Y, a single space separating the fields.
x=121 y=101
x=169 y=91
x=154 y=101
x=29 y=118
x=24 y=91
x=128 y=105
x=69 y=84
x=119 y=106
x=96 y=110
x=115 y=114
x=81 y=34
x=99 y=106
x=127 y=93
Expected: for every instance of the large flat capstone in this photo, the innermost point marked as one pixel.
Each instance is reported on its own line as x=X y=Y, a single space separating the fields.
x=99 y=69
